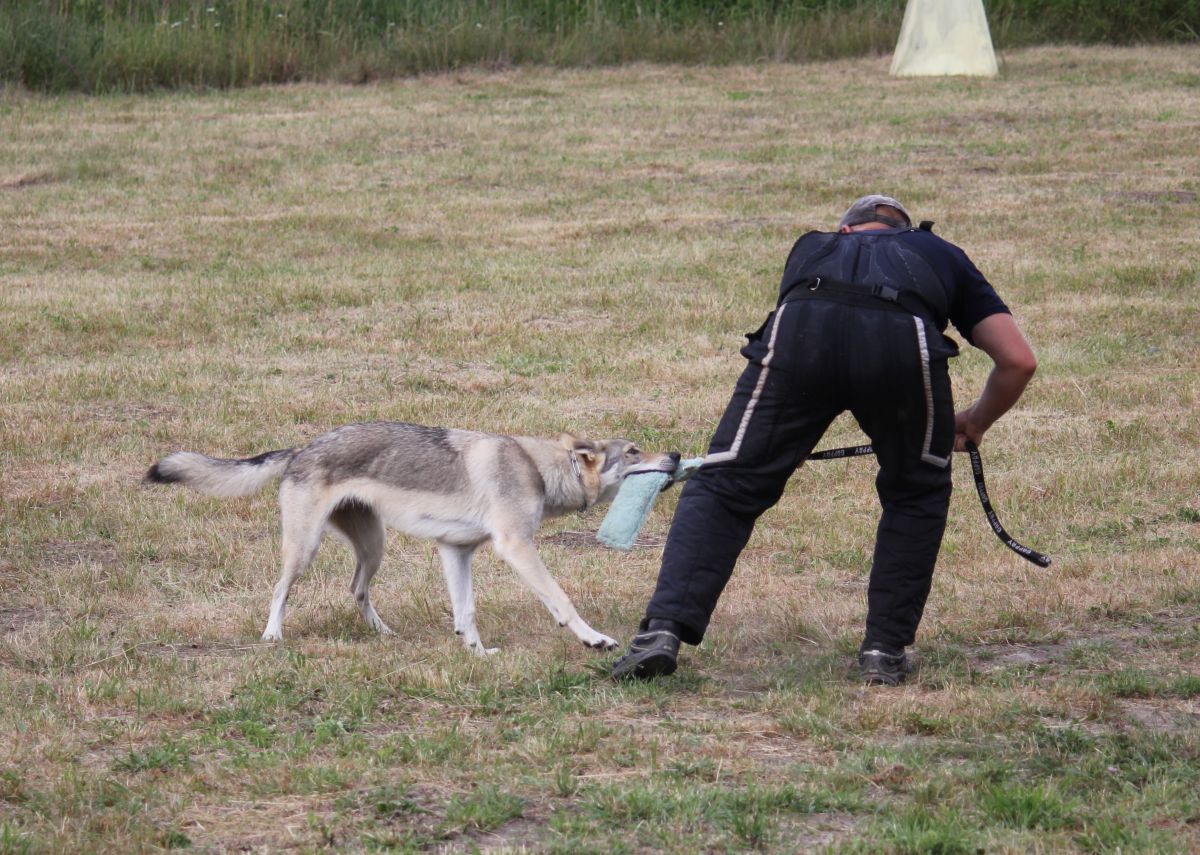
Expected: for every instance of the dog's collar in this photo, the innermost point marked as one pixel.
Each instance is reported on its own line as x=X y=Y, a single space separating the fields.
x=579 y=478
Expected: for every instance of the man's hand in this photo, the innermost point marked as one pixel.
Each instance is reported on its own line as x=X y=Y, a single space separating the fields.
x=1000 y=338
x=966 y=429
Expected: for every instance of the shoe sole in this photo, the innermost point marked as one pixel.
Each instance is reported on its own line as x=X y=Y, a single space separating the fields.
x=881 y=680
x=646 y=668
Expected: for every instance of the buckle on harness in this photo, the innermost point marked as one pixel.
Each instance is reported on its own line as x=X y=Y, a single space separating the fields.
x=885 y=292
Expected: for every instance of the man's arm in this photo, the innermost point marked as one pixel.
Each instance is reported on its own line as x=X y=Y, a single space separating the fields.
x=1000 y=338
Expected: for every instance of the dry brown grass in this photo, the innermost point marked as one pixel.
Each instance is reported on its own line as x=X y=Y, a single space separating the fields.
x=531 y=251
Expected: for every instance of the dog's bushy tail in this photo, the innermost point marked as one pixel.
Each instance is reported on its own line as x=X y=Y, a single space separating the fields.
x=217 y=477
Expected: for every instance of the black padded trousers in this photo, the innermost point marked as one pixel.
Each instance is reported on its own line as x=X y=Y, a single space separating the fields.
x=812 y=360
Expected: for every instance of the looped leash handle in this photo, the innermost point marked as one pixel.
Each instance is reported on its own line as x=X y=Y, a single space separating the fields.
x=1025 y=552
x=1032 y=555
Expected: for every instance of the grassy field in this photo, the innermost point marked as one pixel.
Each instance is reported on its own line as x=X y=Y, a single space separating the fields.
x=533 y=251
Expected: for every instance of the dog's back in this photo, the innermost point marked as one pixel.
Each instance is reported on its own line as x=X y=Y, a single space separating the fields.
x=401 y=455
x=408 y=456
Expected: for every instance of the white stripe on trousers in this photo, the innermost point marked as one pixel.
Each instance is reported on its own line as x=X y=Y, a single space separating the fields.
x=732 y=453
x=923 y=345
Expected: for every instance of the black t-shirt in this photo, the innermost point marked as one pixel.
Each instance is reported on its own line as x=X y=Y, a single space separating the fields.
x=969 y=296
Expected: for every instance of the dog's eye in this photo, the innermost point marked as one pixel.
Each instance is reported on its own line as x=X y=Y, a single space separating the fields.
x=634 y=452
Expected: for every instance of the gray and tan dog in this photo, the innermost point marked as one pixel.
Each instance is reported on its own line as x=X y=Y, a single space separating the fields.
x=460 y=488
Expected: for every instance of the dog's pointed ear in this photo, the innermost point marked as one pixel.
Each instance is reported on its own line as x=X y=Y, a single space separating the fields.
x=585 y=448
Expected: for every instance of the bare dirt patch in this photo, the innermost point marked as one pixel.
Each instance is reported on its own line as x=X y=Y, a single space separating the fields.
x=1160 y=715
x=990 y=657
x=1125 y=643
x=514 y=833
x=1177 y=196
x=819 y=830
x=587 y=540
x=198 y=650
x=15 y=620
x=27 y=181
x=68 y=553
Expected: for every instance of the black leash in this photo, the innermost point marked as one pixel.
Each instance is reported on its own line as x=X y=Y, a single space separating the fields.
x=980 y=487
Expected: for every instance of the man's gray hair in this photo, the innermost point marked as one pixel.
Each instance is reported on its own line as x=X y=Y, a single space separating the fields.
x=862 y=210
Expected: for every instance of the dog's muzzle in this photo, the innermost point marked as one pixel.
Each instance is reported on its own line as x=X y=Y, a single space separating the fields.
x=667 y=465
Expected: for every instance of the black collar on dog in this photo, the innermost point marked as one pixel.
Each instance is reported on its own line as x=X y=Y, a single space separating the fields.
x=579 y=478
x=1025 y=552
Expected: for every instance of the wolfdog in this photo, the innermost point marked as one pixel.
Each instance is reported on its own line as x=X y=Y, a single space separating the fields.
x=460 y=488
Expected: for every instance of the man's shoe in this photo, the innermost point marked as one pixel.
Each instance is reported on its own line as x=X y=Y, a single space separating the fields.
x=881 y=668
x=652 y=653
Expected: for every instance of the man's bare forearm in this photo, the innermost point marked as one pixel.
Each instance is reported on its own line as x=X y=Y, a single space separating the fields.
x=1000 y=338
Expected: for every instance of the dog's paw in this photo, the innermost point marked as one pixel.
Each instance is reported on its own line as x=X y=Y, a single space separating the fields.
x=270 y=635
x=602 y=643
x=480 y=650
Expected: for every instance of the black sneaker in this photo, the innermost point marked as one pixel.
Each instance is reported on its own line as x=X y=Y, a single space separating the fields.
x=882 y=668
x=652 y=653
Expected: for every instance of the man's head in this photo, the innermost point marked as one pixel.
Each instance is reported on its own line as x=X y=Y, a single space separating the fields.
x=875 y=209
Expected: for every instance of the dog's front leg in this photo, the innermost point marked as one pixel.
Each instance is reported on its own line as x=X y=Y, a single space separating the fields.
x=456 y=566
x=522 y=556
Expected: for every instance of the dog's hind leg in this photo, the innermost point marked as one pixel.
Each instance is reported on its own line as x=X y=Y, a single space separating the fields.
x=456 y=565
x=303 y=522
x=363 y=528
x=521 y=555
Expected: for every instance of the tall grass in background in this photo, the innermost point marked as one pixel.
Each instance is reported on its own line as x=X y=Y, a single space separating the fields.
x=129 y=45
x=92 y=45
x=1017 y=23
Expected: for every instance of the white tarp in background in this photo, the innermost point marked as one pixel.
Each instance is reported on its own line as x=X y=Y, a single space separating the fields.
x=944 y=37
